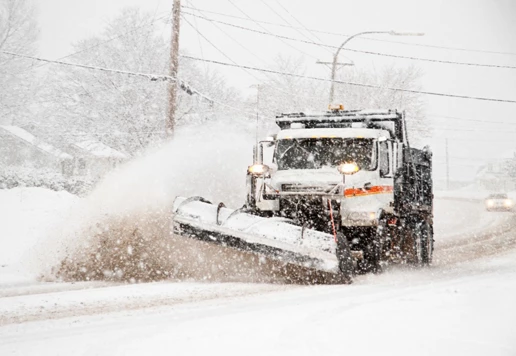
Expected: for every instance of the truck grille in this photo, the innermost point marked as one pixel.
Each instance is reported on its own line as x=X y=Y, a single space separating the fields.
x=306 y=188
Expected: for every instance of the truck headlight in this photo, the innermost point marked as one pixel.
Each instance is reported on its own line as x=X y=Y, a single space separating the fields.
x=490 y=203
x=348 y=168
x=507 y=203
x=258 y=169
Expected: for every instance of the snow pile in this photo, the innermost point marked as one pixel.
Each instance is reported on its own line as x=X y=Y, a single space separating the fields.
x=27 y=214
x=122 y=231
x=14 y=177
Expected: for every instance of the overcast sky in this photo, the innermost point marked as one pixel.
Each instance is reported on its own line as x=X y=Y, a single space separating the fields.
x=483 y=25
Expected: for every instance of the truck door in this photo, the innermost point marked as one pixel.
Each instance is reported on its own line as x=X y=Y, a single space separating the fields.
x=386 y=159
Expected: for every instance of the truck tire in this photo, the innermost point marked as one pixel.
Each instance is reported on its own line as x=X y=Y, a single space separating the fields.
x=374 y=251
x=424 y=243
x=371 y=249
x=346 y=268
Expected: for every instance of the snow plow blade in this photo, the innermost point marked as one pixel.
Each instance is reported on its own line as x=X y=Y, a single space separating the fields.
x=290 y=252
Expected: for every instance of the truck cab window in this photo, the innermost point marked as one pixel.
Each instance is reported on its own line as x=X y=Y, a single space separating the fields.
x=384 y=159
x=316 y=153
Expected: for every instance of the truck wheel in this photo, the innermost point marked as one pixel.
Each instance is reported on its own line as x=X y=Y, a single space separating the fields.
x=424 y=244
x=371 y=249
x=374 y=253
x=344 y=257
x=371 y=258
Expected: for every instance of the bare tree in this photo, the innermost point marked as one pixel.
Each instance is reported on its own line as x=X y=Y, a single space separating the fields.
x=18 y=33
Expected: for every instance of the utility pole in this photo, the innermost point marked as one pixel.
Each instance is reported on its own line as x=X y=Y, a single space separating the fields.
x=174 y=66
x=258 y=87
x=447 y=166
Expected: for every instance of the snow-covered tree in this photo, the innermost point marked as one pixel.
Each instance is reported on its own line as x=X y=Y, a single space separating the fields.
x=408 y=78
x=126 y=112
x=283 y=93
x=18 y=34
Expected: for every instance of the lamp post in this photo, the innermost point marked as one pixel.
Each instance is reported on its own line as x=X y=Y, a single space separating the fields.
x=334 y=64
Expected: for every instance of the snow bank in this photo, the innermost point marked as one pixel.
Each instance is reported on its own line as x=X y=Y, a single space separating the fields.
x=27 y=215
x=121 y=231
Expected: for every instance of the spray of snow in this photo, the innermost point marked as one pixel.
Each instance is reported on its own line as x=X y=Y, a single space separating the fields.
x=122 y=230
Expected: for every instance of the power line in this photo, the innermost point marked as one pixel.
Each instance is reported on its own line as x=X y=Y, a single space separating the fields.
x=234 y=40
x=299 y=22
x=496 y=140
x=199 y=39
x=214 y=46
x=285 y=20
x=361 y=38
x=185 y=87
x=267 y=31
x=459 y=129
x=250 y=52
x=102 y=42
x=152 y=77
x=355 y=50
x=472 y=120
x=352 y=83
x=207 y=40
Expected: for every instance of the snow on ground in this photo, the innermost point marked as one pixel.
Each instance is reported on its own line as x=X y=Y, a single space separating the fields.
x=456 y=218
x=32 y=214
x=27 y=214
x=455 y=307
x=460 y=310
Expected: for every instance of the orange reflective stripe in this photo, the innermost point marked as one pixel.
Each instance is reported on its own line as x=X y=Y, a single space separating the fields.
x=377 y=189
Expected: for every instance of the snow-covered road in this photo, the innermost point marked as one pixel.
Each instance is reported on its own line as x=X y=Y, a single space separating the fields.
x=466 y=310
x=464 y=304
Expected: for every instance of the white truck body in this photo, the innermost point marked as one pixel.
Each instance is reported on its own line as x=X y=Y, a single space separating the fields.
x=358 y=206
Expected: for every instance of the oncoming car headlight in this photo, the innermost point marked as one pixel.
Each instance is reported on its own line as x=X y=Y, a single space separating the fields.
x=490 y=203
x=507 y=203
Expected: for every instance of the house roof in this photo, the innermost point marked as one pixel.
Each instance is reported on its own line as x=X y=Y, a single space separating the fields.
x=98 y=149
x=32 y=140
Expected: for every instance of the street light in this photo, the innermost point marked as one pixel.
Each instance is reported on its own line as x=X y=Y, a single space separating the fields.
x=334 y=64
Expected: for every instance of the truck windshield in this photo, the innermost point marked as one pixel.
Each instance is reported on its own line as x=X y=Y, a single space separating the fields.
x=315 y=153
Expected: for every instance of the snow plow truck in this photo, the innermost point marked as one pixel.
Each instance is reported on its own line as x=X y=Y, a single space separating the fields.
x=339 y=192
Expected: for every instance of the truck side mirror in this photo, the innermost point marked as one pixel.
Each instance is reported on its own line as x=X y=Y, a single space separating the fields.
x=269 y=141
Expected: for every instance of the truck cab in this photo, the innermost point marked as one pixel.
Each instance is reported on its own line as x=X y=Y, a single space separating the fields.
x=303 y=173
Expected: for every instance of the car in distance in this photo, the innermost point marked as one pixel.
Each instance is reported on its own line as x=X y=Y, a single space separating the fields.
x=499 y=202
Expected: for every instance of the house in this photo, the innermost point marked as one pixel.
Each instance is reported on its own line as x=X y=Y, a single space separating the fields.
x=499 y=174
x=20 y=148
x=93 y=158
